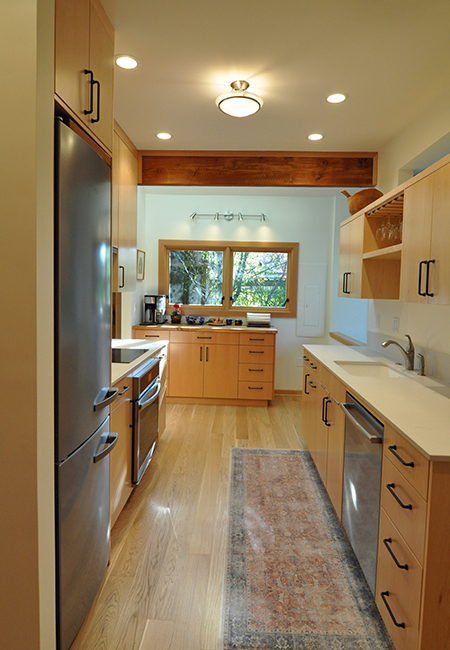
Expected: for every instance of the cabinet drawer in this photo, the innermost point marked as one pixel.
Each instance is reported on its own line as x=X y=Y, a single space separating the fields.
x=255 y=354
x=410 y=521
x=204 y=336
x=125 y=392
x=417 y=474
x=403 y=585
x=255 y=372
x=256 y=338
x=152 y=334
x=333 y=385
x=255 y=390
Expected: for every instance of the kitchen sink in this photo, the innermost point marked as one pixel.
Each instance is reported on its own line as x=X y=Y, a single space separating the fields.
x=370 y=369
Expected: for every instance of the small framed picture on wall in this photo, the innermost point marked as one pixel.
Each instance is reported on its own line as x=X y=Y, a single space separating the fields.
x=140 y=265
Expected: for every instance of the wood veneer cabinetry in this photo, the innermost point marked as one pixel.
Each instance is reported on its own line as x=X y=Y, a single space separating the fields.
x=84 y=41
x=323 y=425
x=120 y=486
x=124 y=210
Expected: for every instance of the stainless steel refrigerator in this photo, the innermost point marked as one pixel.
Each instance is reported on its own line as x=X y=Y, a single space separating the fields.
x=82 y=367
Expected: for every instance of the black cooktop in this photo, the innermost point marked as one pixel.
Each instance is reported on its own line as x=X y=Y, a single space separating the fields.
x=126 y=355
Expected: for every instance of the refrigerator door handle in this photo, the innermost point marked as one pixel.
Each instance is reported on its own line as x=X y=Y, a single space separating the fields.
x=105 y=398
x=111 y=441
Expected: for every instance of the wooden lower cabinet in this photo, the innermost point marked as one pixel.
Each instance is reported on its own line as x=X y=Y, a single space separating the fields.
x=323 y=427
x=120 y=486
x=203 y=370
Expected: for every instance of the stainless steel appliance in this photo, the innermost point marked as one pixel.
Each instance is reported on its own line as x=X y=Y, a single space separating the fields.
x=146 y=389
x=154 y=309
x=362 y=484
x=82 y=370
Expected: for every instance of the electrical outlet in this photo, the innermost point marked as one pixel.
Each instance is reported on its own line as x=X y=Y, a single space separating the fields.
x=395 y=324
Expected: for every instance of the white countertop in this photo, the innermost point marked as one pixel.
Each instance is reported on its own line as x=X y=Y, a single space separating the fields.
x=406 y=402
x=119 y=370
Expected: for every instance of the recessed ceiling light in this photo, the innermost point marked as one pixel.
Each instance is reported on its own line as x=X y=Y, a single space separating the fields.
x=315 y=136
x=336 y=98
x=163 y=136
x=127 y=62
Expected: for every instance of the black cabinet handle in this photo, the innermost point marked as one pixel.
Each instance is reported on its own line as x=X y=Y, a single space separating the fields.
x=125 y=388
x=328 y=401
x=392 y=449
x=388 y=541
x=421 y=293
x=256 y=351
x=201 y=349
x=255 y=370
x=391 y=487
x=305 y=358
x=91 y=92
x=323 y=409
x=97 y=83
x=313 y=366
x=207 y=353
x=428 y=278
x=255 y=388
x=384 y=595
x=123 y=277
x=311 y=384
x=306 y=381
x=345 y=283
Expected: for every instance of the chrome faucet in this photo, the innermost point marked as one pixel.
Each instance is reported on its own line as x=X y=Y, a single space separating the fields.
x=408 y=353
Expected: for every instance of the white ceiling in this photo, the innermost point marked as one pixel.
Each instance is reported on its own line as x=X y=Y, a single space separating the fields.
x=390 y=57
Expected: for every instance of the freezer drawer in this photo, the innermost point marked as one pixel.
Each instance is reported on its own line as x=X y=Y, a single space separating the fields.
x=82 y=497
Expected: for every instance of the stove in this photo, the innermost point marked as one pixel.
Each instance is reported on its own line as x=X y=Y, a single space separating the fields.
x=126 y=355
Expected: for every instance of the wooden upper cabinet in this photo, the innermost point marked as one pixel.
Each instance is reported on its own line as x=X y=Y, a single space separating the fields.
x=124 y=209
x=84 y=40
x=350 y=258
x=425 y=275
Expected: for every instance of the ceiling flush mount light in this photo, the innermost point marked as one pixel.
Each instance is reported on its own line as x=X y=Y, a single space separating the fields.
x=315 y=136
x=163 y=136
x=239 y=103
x=127 y=62
x=336 y=98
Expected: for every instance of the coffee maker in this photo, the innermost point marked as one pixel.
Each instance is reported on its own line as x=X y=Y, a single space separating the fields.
x=154 y=309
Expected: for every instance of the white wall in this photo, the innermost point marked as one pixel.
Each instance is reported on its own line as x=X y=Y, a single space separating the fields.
x=299 y=215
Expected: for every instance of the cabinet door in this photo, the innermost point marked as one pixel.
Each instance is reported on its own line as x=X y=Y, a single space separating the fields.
x=309 y=409
x=101 y=61
x=221 y=371
x=439 y=281
x=186 y=370
x=120 y=487
x=335 y=454
x=418 y=205
x=126 y=196
x=322 y=434
x=350 y=258
x=72 y=54
x=344 y=259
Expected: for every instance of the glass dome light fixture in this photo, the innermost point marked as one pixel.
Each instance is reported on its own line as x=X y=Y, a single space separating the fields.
x=238 y=102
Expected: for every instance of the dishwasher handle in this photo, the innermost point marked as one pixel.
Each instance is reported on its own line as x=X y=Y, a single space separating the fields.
x=346 y=406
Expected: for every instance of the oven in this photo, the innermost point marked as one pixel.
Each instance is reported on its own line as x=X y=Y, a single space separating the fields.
x=146 y=389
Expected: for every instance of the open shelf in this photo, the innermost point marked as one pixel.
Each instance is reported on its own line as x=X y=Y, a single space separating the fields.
x=388 y=253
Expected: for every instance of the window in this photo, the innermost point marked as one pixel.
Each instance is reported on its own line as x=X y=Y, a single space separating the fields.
x=229 y=277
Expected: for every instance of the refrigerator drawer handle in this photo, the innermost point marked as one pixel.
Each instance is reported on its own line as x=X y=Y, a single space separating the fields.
x=103 y=399
x=152 y=398
x=346 y=406
x=111 y=442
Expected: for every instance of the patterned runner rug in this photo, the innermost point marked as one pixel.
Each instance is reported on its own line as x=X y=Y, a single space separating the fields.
x=292 y=580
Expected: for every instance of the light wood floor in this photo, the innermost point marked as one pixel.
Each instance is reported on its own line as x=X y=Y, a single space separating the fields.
x=163 y=588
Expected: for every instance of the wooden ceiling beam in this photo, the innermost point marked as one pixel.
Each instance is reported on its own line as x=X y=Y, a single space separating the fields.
x=258 y=169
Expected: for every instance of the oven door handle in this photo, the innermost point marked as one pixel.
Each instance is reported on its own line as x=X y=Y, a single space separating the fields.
x=149 y=400
x=346 y=406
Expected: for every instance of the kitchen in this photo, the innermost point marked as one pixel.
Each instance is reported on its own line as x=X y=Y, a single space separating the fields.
x=27 y=488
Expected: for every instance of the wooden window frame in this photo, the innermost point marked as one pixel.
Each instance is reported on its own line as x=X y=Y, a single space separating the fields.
x=227 y=309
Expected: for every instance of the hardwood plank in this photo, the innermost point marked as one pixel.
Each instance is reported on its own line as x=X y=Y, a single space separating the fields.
x=235 y=169
x=157 y=634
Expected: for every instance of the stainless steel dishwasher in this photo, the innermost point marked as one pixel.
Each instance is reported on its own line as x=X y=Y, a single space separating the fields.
x=362 y=484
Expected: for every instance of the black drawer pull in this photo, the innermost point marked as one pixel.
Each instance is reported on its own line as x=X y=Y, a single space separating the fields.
x=256 y=351
x=153 y=336
x=313 y=366
x=305 y=358
x=419 y=288
x=204 y=337
x=390 y=487
x=392 y=449
x=384 y=595
x=388 y=541
x=125 y=388
x=255 y=387
x=428 y=278
x=255 y=370
x=306 y=380
x=256 y=339
x=311 y=384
